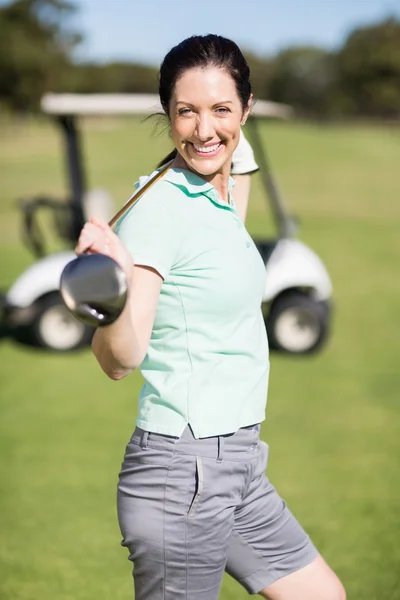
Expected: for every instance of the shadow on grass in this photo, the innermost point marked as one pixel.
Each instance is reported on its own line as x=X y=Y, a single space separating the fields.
x=5 y=332
x=21 y=336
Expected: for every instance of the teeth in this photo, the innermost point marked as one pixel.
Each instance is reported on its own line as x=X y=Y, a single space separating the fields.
x=206 y=149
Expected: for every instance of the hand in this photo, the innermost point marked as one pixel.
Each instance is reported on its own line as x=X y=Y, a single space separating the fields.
x=97 y=237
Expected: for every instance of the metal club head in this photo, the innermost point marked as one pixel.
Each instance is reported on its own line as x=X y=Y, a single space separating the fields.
x=94 y=289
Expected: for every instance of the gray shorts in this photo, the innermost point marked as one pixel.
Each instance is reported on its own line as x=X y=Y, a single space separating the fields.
x=190 y=509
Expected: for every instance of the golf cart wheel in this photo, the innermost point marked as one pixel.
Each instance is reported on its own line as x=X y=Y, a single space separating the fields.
x=55 y=328
x=297 y=323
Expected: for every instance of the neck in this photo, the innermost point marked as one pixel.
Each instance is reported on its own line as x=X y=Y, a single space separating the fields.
x=219 y=180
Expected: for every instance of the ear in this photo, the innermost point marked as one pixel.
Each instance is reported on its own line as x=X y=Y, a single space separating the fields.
x=246 y=111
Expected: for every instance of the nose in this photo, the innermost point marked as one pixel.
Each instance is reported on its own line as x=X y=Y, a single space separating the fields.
x=204 y=127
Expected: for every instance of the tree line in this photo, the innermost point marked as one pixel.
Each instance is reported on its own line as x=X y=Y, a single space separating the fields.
x=360 y=79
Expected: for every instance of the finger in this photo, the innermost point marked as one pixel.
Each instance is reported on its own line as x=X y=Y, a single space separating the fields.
x=86 y=242
x=88 y=235
x=102 y=224
x=97 y=237
x=93 y=247
x=93 y=228
x=83 y=243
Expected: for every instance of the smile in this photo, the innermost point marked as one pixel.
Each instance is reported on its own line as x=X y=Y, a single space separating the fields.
x=207 y=150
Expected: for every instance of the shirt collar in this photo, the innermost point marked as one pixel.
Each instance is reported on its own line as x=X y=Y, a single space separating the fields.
x=193 y=185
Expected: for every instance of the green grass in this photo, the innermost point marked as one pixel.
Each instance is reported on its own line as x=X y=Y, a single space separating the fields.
x=332 y=419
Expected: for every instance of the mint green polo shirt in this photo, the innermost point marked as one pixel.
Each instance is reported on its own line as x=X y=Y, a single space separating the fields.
x=207 y=363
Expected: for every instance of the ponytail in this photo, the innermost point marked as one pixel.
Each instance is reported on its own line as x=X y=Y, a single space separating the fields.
x=168 y=158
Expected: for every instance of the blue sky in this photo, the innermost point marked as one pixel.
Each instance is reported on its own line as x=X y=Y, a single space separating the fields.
x=144 y=30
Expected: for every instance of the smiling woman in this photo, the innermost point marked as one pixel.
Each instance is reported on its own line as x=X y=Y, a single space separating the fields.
x=193 y=498
x=207 y=101
x=206 y=115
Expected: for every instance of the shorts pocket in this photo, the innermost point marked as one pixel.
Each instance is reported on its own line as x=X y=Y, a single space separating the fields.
x=198 y=489
x=262 y=460
x=138 y=457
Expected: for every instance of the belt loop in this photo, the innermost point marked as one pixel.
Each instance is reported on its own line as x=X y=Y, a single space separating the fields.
x=143 y=441
x=220 y=448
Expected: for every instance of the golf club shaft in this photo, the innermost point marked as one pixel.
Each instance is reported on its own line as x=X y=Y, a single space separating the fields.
x=137 y=195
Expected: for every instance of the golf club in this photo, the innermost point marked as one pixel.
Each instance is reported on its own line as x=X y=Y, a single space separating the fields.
x=94 y=286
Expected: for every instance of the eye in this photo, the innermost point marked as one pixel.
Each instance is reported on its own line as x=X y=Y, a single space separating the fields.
x=222 y=110
x=184 y=112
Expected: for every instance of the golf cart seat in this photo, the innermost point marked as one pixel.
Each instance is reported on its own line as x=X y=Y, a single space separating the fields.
x=61 y=219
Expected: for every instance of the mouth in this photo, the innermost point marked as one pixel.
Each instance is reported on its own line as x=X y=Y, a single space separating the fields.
x=208 y=151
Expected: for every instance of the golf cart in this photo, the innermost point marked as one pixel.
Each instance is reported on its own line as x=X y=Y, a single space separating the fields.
x=296 y=301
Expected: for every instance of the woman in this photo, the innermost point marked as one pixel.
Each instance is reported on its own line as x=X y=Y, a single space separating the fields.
x=193 y=499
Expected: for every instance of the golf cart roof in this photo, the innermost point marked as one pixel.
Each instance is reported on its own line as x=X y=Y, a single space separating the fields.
x=130 y=104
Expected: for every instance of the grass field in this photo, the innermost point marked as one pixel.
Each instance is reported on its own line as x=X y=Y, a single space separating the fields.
x=332 y=419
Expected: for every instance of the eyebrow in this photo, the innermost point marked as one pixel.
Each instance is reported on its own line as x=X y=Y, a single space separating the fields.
x=216 y=104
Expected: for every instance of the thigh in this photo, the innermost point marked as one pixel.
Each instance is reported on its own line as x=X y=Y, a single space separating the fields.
x=141 y=487
x=267 y=542
x=316 y=581
x=176 y=539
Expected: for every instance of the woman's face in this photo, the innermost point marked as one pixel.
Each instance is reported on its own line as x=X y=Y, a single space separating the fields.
x=206 y=115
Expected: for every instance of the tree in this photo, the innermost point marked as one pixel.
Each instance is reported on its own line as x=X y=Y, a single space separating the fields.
x=35 y=49
x=260 y=70
x=362 y=78
x=369 y=70
x=123 y=78
x=303 y=77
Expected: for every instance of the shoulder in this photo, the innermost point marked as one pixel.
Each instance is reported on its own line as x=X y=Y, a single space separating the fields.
x=161 y=197
x=150 y=230
x=159 y=192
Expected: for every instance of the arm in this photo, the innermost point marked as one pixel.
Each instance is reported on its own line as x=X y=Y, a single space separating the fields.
x=243 y=165
x=241 y=193
x=120 y=348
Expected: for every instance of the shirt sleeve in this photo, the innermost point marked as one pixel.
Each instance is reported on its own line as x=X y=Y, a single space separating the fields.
x=243 y=161
x=150 y=233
